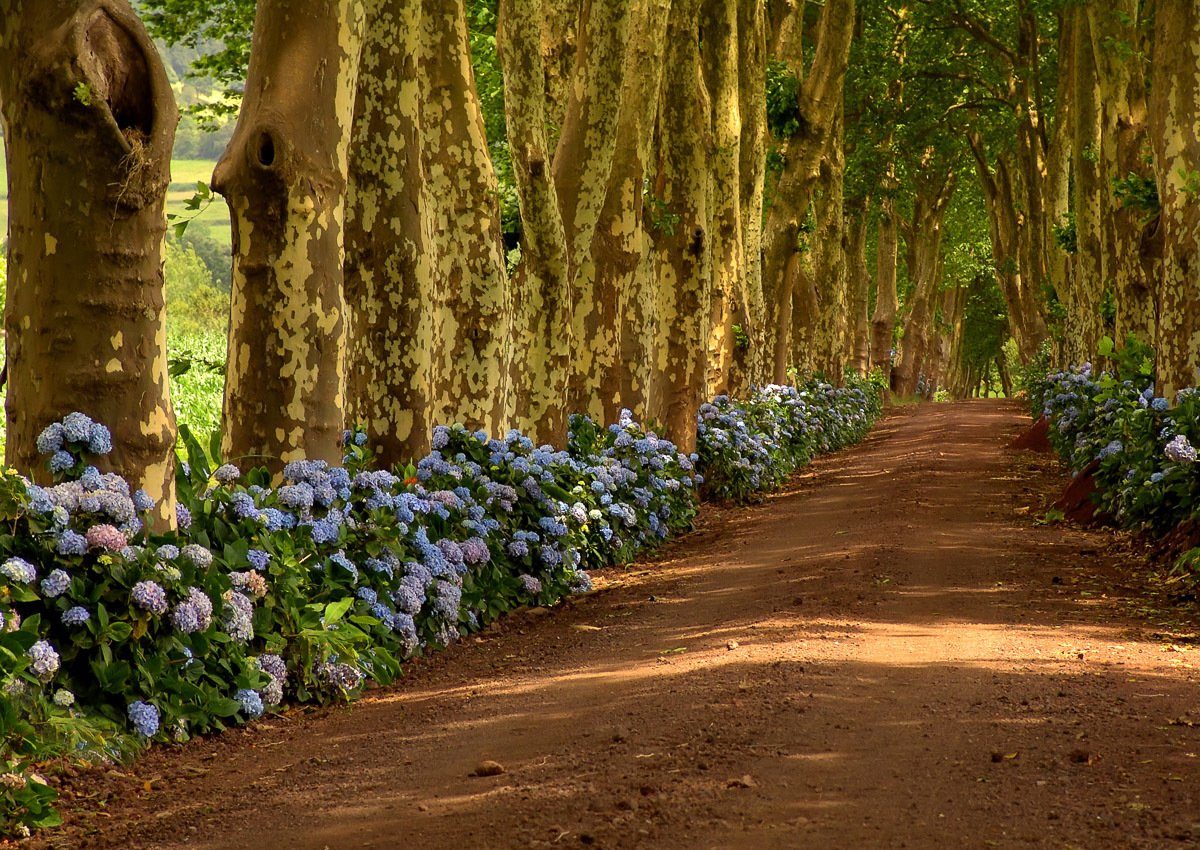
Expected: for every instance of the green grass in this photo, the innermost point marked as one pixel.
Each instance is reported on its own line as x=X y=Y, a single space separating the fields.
x=213 y=220
x=185 y=173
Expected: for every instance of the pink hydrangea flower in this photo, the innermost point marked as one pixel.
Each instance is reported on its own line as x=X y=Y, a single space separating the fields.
x=106 y=537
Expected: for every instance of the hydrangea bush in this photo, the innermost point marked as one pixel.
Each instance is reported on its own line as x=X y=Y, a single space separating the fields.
x=749 y=447
x=1139 y=447
x=310 y=587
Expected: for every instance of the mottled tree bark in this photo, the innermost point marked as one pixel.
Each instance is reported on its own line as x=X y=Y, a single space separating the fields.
x=820 y=98
x=858 y=288
x=89 y=122
x=284 y=177
x=392 y=295
x=684 y=255
x=719 y=41
x=582 y=167
x=883 y=319
x=752 y=68
x=620 y=243
x=1175 y=131
x=541 y=285
x=1116 y=41
x=1090 y=275
x=833 y=320
x=473 y=326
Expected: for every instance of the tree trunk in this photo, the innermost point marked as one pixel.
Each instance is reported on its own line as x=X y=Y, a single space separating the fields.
x=541 y=287
x=859 y=284
x=1175 y=123
x=284 y=176
x=582 y=167
x=924 y=240
x=472 y=377
x=751 y=357
x=684 y=255
x=833 y=319
x=620 y=244
x=391 y=292
x=883 y=319
x=1090 y=277
x=89 y=122
x=820 y=99
x=1116 y=34
x=720 y=45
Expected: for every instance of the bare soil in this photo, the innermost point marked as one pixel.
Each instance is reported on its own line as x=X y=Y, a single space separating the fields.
x=891 y=654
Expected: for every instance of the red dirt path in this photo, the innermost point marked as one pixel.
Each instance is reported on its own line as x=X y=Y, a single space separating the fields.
x=892 y=654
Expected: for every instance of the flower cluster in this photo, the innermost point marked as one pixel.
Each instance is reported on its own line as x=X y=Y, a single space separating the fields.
x=310 y=586
x=753 y=446
x=1139 y=447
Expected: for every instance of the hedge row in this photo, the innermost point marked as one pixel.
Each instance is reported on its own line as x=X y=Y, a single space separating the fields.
x=309 y=588
x=1138 y=446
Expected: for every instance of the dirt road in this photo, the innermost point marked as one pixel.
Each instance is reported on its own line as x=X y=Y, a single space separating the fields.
x=891 y=654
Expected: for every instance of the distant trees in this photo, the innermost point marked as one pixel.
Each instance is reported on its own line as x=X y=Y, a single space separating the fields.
x=504 y=212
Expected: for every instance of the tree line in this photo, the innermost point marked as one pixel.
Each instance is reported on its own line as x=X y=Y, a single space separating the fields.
x=710 y=194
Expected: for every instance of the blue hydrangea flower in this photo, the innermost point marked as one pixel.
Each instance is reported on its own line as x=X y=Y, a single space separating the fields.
x=99 y=439
x=61 y=461
x=20 y=571
x=56 y=584
x=183 y=517
x=252 y=704
x=72 y=543
x=76 y=616
x=258 y=559
x=142 y=501
x=77 y=427
x=144 y=718
x=51 y=439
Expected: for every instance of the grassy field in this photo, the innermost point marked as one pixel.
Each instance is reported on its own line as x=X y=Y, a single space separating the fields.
x=214 y=220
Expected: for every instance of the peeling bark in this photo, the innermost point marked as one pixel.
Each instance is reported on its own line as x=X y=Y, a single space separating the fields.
x=472 y=376
x=89 y=122
x=719 y=43
x=392 y=296
x=685 y=254
x=858 y=289
x=1175 y=123
x=284 y=177
x=820 y=98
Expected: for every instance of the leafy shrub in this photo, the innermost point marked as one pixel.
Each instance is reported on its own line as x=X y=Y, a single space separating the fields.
x=1141 y=447
x=114 y=634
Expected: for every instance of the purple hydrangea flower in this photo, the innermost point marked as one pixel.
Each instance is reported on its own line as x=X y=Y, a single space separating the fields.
x=194 y=613
x=1180 y=450
x=43 y=660
x=56 y=584
x=76 y=616
x=149 y=596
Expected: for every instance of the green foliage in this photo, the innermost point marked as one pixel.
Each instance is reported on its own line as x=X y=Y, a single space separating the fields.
x=1136 y=192
x=83 y=94
x=662 y=219
x=1066 y=235
x=783 y=104
x=198 y=204
x=220 y=32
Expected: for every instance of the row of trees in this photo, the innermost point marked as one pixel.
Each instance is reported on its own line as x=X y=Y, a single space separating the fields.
x=709 y=193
